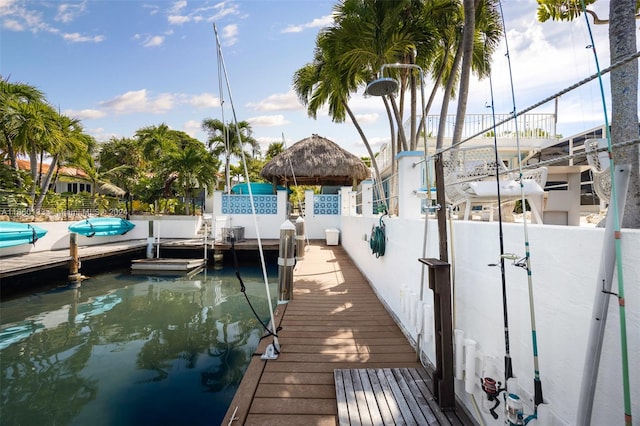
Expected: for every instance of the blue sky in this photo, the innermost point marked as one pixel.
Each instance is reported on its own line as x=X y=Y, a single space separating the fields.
x=120 y=65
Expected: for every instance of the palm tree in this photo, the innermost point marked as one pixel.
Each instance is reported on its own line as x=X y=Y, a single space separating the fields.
x=481 y=33
x=347 y=56
x=12 y=97
x=68 y=142
x=274 y=149
x=193 y=166
x=624 y=85
x=230 y=140
x=154 y=140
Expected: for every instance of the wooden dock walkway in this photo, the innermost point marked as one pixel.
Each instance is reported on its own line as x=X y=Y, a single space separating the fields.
x=37 y=261
x=334 y=322
x=41 y=260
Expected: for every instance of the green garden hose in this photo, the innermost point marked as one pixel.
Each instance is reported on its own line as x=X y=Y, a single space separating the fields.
x=377 y=240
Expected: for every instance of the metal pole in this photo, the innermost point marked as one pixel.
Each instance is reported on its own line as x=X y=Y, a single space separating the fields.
x=286 y=262
x=601 y=303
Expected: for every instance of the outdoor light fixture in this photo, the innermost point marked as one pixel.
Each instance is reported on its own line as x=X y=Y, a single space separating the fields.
x=382 y=86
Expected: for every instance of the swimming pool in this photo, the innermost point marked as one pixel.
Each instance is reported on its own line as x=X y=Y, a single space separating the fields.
x=125 y=350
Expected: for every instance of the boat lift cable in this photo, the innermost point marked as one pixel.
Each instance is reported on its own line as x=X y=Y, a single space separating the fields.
x=276 y=344
x=508 y=366
x=243 y=290
x=617 y=236
x=537 y=383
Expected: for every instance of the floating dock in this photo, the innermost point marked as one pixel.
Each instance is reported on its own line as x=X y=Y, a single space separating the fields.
x=166 y=266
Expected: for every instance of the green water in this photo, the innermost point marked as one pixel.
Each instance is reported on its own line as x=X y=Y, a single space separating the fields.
x=130 y=350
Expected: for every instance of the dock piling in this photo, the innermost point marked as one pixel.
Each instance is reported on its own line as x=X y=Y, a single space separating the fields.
x=74 y=277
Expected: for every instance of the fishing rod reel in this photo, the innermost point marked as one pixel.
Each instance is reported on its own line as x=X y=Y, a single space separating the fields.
x=492 y=389
x=515 y=411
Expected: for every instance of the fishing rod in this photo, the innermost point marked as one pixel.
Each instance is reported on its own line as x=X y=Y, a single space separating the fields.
x=618 y=245
x=526 y=261
x=273 y=350
x=508 y=366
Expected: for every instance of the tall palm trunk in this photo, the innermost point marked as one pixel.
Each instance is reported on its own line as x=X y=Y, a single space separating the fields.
x=624 y=101
x=465 y=72
x=45 y=182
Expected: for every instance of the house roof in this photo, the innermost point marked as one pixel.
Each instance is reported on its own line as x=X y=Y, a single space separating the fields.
x=73 y=172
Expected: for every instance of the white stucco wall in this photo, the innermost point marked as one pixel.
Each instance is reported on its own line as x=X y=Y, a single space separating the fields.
x=564 y=263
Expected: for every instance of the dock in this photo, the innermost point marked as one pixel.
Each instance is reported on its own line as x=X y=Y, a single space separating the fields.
x=19 y=264
x=334 y=333
x=44 y=260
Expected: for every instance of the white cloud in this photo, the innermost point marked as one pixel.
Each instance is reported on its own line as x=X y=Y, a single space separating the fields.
x=79 y=38
x=222 y=9
x=153 y=41
x=12 y=25
x=204 y=100
x=139 y=101
x=178 y=6
x=316 y=23
x=268 y=121
x=178 y=19
x=192 y=127
x=17 y=17
x=85 y=114
x=68 y=12
x=230 y=34
x=101 y=135
x=367 y=118
x=277 y=102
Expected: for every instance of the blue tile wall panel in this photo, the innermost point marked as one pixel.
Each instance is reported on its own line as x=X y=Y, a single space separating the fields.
x=241 y=204
x=326 y=204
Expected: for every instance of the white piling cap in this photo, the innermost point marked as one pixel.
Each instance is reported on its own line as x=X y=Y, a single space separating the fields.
x=299 y=219
x=287 y=225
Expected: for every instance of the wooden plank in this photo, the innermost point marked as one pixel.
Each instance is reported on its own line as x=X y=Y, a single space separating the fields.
x=352 y=402
x=389 y=397
x=341 y=398
x=420 y=398
x=363 y=408
x=399 y=397
x=409 y=398
x=424 y=382
x=378 y=393
x=367 y=402
x=374 y=410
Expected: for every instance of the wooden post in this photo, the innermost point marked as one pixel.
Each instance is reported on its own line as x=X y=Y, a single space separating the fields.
x=74 y=264
x=439 y=282
x=442 y=211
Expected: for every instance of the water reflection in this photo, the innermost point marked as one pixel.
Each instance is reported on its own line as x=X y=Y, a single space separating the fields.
x=129 y=350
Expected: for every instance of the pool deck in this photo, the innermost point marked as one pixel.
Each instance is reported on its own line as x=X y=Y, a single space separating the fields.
x=334 y=322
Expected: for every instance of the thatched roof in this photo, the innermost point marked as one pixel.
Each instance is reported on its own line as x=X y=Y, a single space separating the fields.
x=316 y=161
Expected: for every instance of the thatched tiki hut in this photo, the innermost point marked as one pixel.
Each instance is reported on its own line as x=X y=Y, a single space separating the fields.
x=315 y=161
